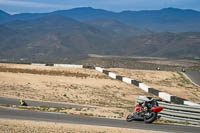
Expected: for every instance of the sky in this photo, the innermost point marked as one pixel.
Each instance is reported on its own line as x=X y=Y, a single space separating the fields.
x=34 y=6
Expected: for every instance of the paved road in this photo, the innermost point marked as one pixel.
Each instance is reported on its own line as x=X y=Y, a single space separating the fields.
x=14 y=101
x=76 y=119
x=194 y=76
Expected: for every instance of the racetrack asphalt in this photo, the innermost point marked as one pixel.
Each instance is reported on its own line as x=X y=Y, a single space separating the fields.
x=77 y=119
x=194 y=76
x=15 y=101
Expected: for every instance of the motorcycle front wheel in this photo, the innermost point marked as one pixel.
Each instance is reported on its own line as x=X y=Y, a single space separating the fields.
x=150 y=117
x=130 y=118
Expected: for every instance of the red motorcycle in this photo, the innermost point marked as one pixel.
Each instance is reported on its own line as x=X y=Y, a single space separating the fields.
x=146 y=111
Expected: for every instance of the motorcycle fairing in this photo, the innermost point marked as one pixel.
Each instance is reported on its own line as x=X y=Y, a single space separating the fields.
x=157 y=109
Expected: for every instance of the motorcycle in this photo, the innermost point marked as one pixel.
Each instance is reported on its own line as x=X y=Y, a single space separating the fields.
x=145 y=111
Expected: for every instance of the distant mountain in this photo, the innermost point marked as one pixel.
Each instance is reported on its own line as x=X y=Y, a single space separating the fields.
x=4 y=17
x=116 y=28
x=87 y=13
x=2 y=13
x=164 y=20
x=50 y=36
x=80 y=14
x=85 y=31
x=160 y=45
x=22 y=16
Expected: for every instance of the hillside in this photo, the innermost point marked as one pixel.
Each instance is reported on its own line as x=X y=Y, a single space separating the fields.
x=83 y=31
x=4 y=17
x=116 y=28
x=164 y=20
x=50 y=36
x=160 y=45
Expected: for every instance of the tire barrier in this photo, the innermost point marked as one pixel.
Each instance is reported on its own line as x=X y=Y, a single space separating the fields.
x=49 y=64
x=88 y=67
x=176 y=112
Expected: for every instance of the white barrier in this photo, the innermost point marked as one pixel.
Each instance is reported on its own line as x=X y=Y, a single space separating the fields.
x=112 y=75
x=127 y=80
x=99 y=69
x=144 y=87
x=37 y=64
x=165 y=96
x=68 y=65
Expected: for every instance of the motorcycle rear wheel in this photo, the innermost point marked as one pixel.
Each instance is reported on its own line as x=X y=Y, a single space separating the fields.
x=150 y=118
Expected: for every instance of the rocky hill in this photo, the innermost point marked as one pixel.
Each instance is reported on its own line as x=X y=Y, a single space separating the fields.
x=164 y=33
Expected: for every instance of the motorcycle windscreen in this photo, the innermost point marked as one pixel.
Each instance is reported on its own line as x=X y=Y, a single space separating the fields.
x=157 y=109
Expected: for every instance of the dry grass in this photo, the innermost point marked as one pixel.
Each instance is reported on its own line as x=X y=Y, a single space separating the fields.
x=172 y=82
x=46 y=70
x=93 y=89
x=22 y=126
x=90 y=91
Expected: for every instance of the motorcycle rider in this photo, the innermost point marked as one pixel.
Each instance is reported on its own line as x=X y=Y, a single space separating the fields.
x=148 y=101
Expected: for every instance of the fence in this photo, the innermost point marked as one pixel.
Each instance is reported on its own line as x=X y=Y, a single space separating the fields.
x=176 y=112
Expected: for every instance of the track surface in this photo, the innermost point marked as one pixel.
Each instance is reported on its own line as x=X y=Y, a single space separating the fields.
x=14 y=101
x=76 y=119
x=194 y=76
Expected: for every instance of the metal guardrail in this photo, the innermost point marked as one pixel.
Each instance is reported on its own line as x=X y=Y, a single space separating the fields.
x=175 y=112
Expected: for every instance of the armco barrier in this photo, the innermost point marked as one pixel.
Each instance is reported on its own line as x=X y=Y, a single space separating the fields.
x=176 y=112
x=68 y=65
